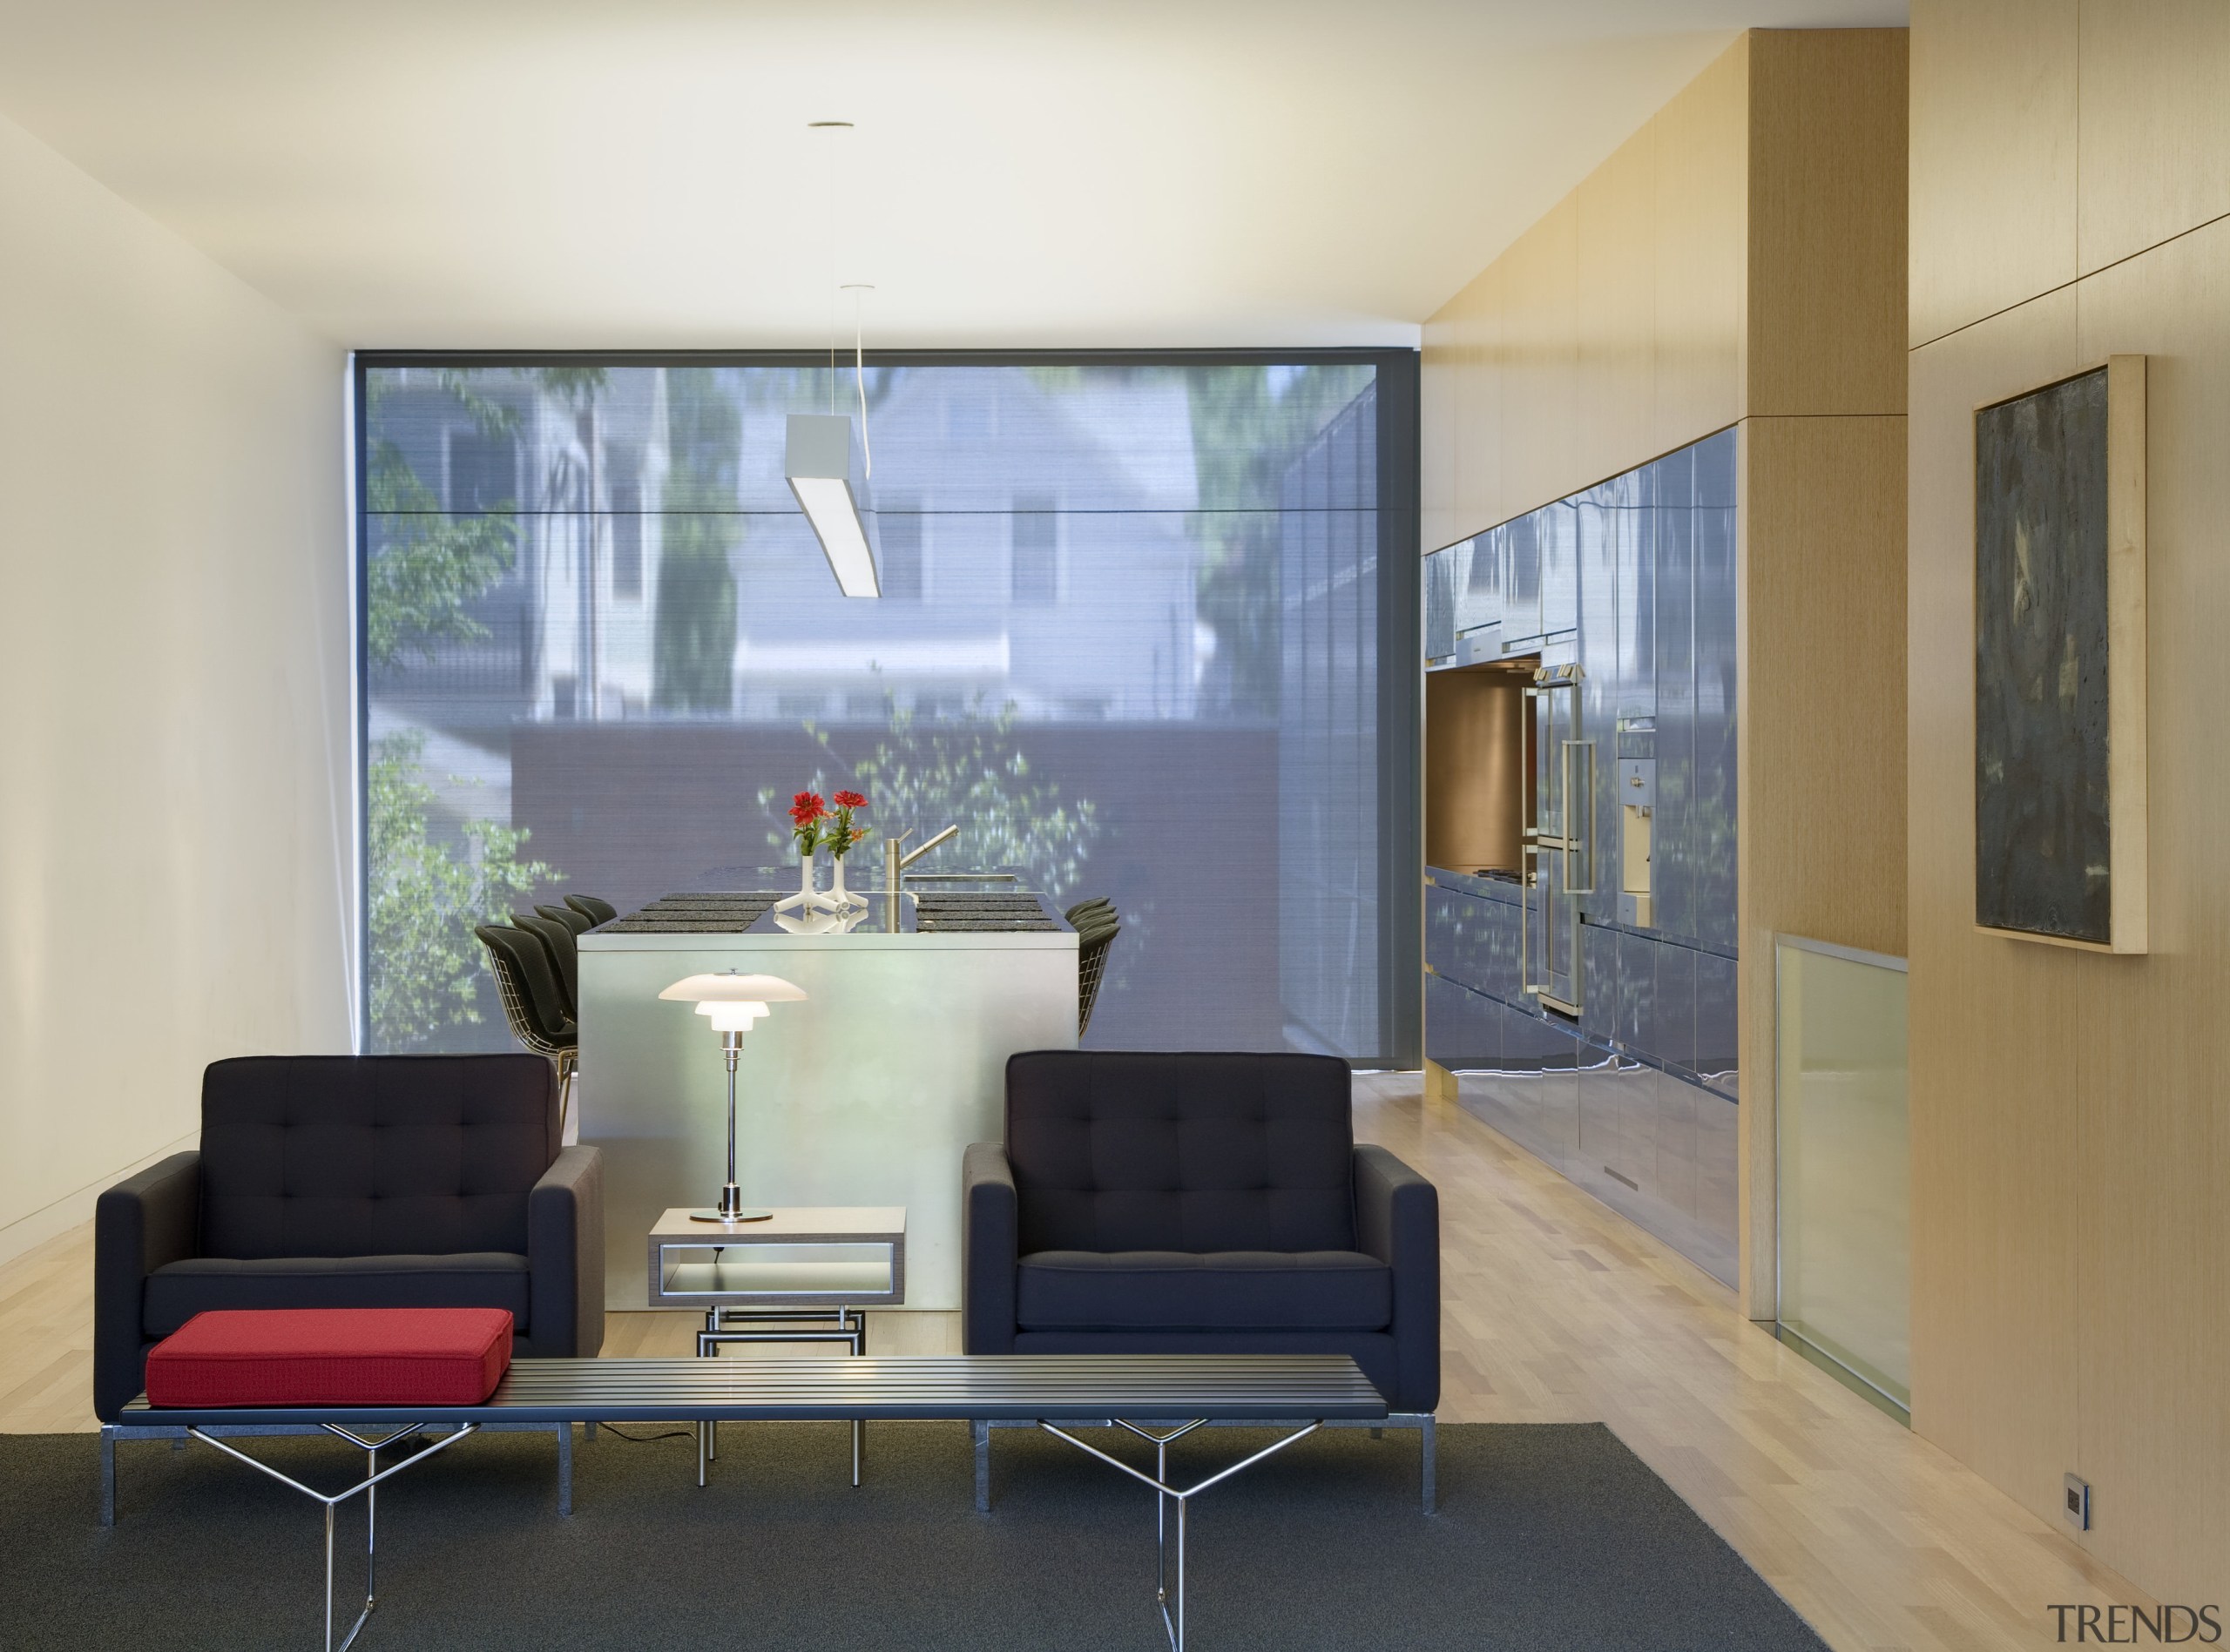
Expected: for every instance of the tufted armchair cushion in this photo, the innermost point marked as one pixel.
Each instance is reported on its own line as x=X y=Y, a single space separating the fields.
x=332 y=1156
x=1129 y=1151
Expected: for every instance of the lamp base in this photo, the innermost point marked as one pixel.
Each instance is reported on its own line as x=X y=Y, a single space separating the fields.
x=730 y=1208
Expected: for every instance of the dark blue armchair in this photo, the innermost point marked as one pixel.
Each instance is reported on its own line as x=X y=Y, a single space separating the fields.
x=1200 y=1203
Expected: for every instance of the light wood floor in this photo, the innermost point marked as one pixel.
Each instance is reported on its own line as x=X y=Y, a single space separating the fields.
x=1557 y=1309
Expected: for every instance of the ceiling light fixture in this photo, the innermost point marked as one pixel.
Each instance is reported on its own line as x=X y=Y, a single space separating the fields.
x=827 y=464
x=819 y=462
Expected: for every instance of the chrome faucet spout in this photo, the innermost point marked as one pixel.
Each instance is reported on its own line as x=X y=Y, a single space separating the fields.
x=895 y=862
x=912 y=855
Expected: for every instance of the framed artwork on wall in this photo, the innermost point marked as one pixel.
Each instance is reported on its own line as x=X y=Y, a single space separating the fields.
x=2059 y=662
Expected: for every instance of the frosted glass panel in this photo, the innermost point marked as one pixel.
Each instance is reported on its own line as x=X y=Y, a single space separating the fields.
x=1845 y=1166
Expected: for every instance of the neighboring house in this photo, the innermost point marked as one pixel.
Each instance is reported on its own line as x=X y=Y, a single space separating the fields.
x=1022 y=559
x=584 y=484
x=592 y=546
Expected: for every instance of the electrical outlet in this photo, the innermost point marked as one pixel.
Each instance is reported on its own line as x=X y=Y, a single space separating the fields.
x=2078 y=1509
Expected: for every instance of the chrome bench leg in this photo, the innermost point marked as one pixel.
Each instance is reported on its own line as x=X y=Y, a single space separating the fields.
x=368 y=1486
x=982 y=1432
x=1170 y=1579
x=108 y=1474
x=565 y=1468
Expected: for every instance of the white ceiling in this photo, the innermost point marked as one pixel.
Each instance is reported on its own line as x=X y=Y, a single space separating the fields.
x=556 y=173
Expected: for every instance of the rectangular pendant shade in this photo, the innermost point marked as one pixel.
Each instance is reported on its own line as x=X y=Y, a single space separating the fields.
x=823 y=463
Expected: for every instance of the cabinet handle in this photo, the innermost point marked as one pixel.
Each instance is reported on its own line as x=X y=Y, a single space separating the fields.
x=1586 y=838
x=1529 y=848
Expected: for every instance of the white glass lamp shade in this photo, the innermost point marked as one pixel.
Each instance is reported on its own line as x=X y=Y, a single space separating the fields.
x=731 y=1017
x=732 y=1001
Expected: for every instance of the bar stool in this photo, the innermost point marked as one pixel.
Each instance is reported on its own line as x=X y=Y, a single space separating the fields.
x=557 y=939
x=579 y=922
x=533 y=1004
x=593 y=907
x=1096 y=933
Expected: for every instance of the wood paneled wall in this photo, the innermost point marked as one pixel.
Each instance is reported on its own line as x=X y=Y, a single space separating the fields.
x=1609 y=333
x=2071 y=1120
x=1741 y=260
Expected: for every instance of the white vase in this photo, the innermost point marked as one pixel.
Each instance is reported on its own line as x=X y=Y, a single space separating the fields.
x=807 y=898
x=837 y=892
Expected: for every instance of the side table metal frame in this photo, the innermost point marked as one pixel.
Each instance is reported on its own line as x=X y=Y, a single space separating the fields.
x=850 y=1328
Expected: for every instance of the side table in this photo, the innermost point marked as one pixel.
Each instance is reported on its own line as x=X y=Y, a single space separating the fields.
x=803 y=1275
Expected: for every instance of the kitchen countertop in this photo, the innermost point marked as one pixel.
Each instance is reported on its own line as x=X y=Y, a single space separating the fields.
x=944 y=912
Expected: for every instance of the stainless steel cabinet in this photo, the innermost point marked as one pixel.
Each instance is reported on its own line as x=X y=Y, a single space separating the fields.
x=1462 y=1029
x=1478 y=585
x=1521 y=581
x=1711 y=796
x=1440 y=604
x=1611 y=1034
x=1560 y=542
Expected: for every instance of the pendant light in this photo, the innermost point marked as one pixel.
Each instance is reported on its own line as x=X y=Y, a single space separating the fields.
x=828 y=463
x=826 y=468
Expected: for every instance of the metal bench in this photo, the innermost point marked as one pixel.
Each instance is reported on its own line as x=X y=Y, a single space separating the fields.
x=1157 y=1398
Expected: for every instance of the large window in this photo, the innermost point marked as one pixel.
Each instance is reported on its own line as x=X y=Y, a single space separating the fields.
x=1149 y=631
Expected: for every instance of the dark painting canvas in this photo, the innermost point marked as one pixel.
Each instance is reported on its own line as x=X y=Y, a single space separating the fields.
x=2042 y=827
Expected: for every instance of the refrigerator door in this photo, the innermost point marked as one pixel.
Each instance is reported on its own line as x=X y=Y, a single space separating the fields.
x=1560 y=847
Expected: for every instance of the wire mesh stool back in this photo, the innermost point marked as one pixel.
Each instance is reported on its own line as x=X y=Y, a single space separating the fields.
x=562 y=1048
x=1092 y=965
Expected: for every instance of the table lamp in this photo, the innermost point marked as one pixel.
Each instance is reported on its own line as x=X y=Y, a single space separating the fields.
x=732 y=1001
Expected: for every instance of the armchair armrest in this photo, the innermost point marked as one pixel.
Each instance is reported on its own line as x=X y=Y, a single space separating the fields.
x=144 y=1222
x=564 y=1255
x=989 y=1226
x=1397 y=1220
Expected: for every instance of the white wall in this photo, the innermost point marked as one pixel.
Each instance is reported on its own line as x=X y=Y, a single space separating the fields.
x=176 y=799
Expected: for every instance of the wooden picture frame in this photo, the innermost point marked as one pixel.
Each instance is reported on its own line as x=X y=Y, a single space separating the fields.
x=2060 y=769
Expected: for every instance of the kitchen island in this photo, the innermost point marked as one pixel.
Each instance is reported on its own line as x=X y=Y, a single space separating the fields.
x=865 y=1094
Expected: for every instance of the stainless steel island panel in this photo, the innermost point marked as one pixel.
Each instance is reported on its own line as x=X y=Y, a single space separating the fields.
x=866 y=1093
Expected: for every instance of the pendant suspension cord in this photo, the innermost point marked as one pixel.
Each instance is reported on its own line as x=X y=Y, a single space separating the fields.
x=828 y=196
x=859 y=373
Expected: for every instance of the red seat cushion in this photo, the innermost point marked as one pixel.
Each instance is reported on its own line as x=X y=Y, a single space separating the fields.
x=331 y=1357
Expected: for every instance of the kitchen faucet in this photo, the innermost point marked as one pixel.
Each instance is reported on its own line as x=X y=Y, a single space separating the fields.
x=893 y=869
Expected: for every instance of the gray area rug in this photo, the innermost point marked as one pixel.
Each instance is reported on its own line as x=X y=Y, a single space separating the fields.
x=1548 y=1537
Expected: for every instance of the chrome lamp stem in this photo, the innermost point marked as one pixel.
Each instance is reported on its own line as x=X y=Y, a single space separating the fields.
x=731 y=1195
x=731 y=1206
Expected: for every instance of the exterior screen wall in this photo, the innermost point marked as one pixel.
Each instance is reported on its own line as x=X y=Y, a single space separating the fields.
x=1131 y=641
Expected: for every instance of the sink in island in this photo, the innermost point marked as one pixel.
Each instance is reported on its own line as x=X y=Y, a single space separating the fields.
x=864 y=1094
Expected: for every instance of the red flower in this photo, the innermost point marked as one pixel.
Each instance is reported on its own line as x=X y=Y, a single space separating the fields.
x=806 y=808
x=851 y=800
